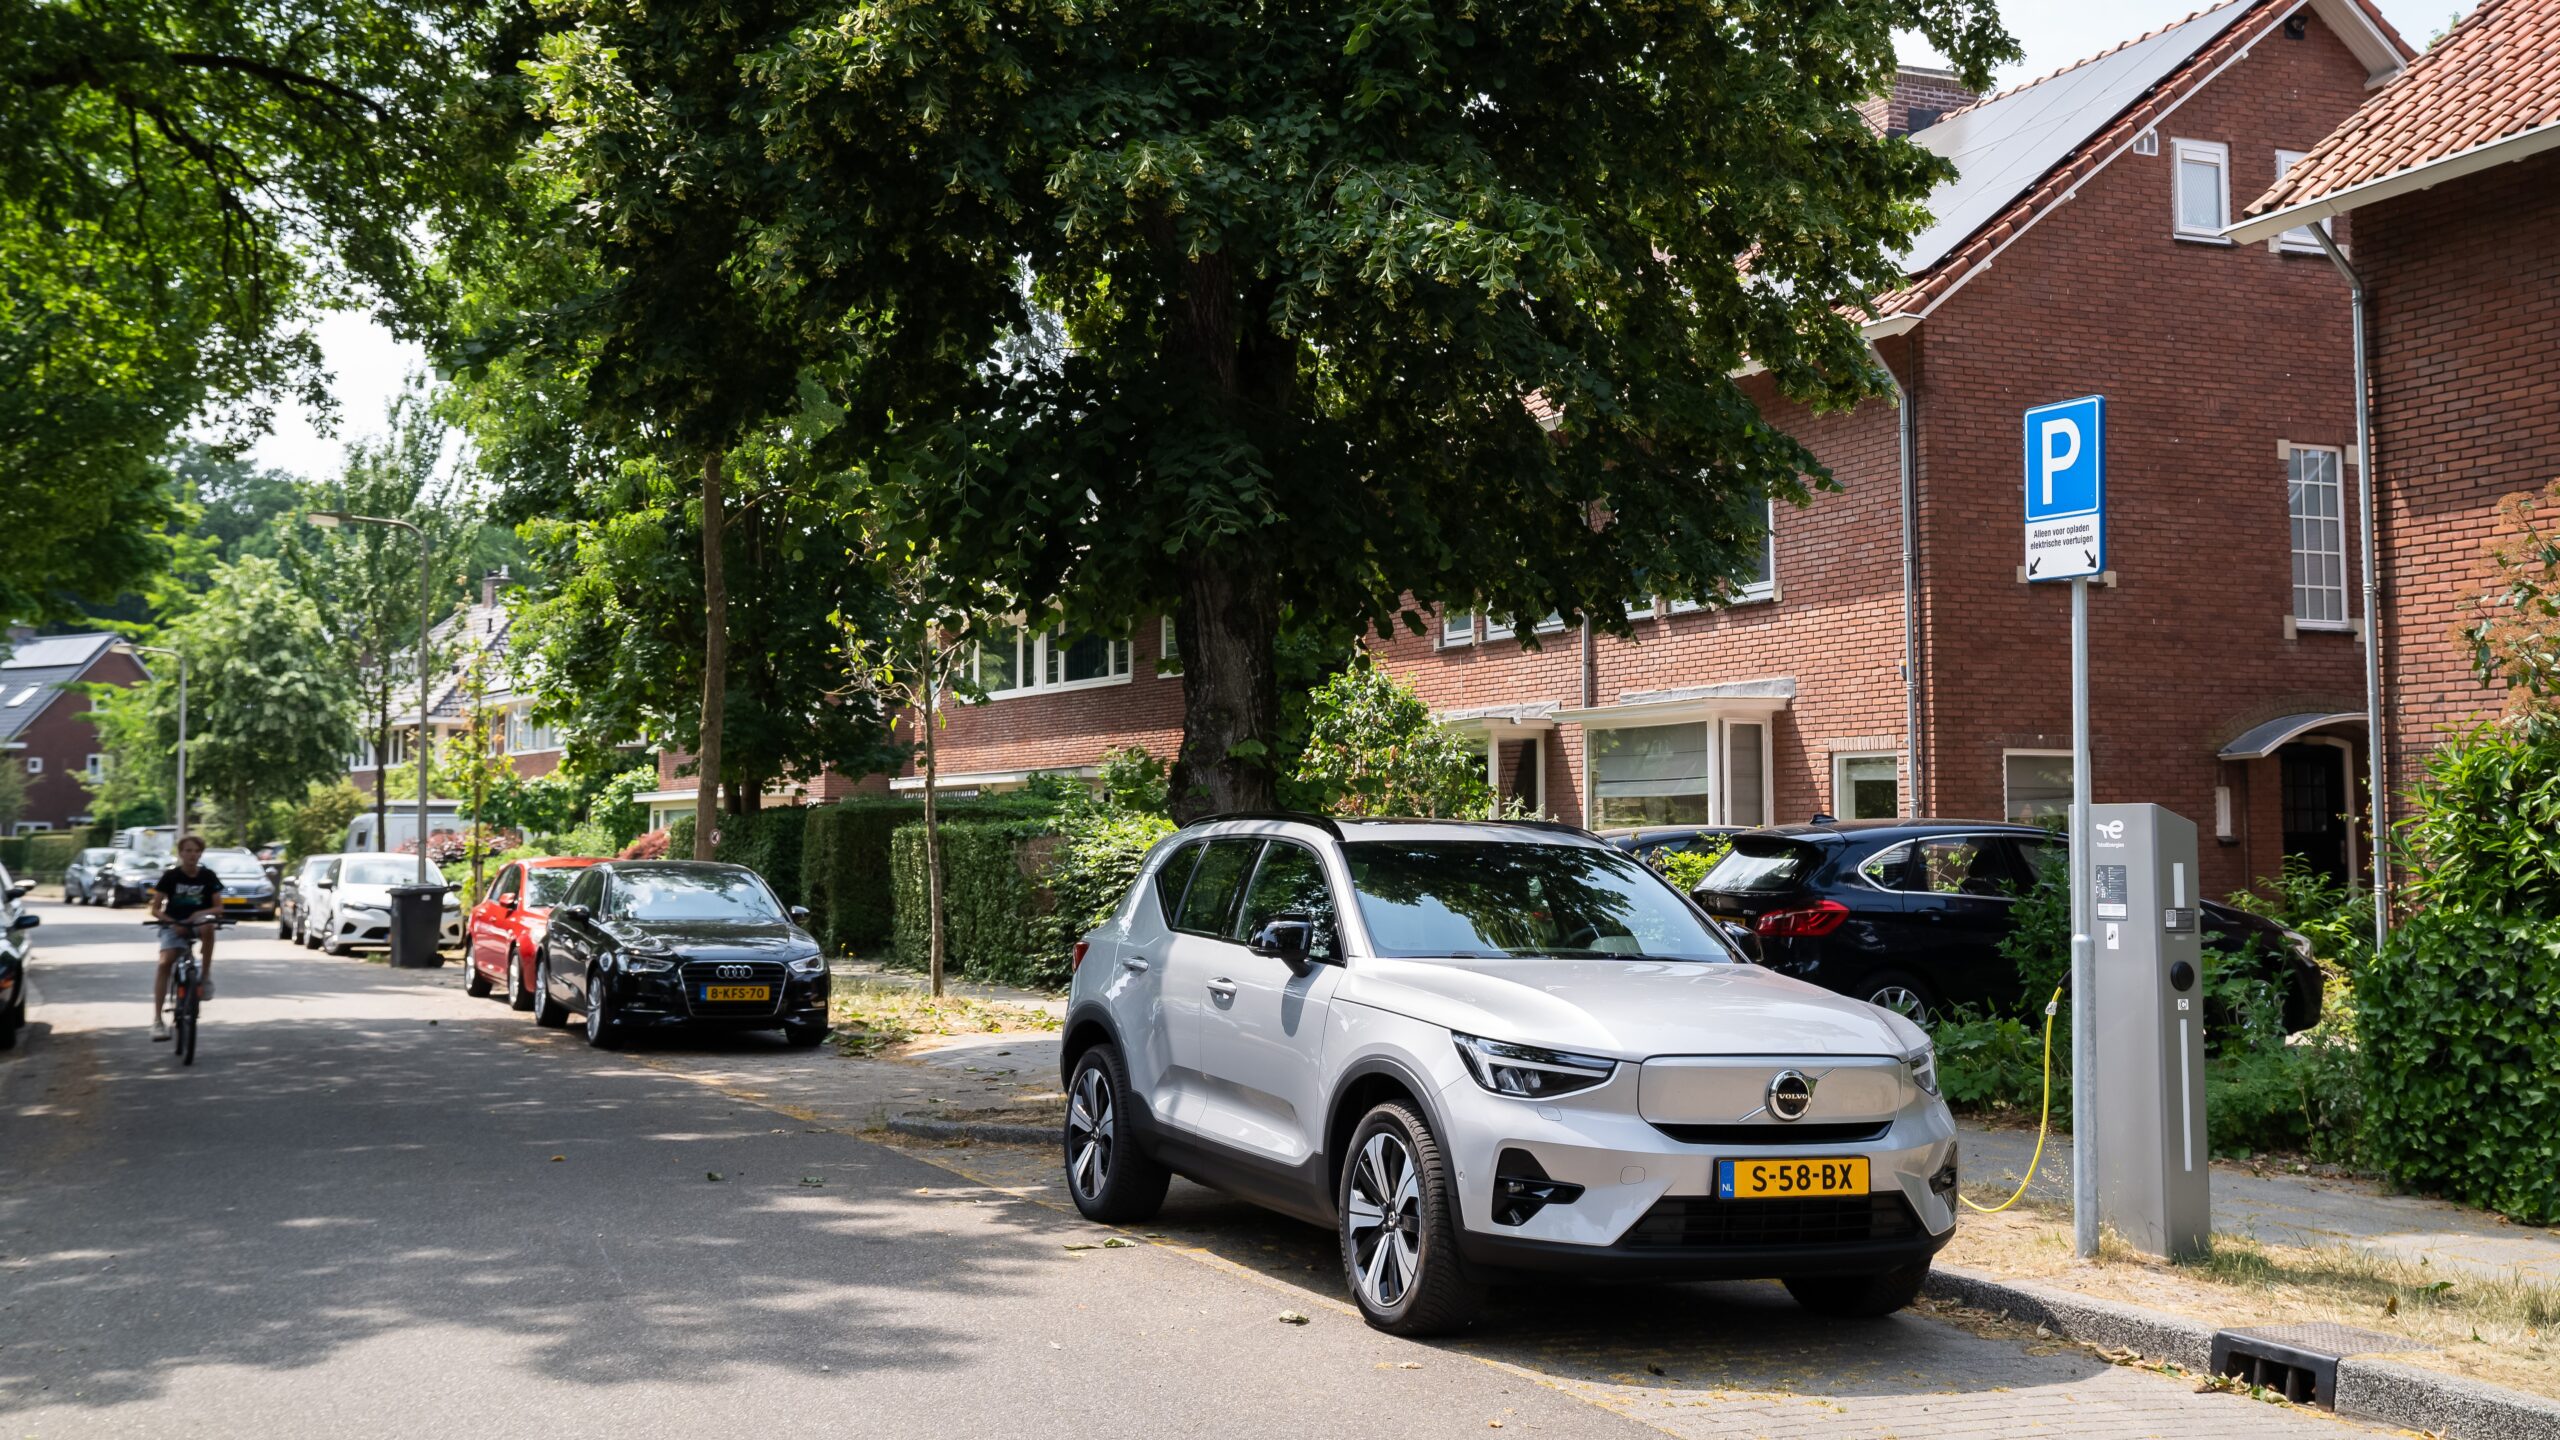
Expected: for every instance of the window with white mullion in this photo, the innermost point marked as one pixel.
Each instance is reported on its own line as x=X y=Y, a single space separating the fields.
x=2201 y=189
x=2315 y=495
x=2299 y=239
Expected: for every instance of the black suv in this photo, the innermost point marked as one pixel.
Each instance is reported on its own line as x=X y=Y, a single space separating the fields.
x=1909 y=914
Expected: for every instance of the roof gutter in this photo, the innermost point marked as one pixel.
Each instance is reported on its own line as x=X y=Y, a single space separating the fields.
x=2378 y=749
x=2505 y=150
x=1907 y=443
x=1871 y=332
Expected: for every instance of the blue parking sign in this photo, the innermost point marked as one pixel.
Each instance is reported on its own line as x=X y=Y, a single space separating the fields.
x=2066 y=512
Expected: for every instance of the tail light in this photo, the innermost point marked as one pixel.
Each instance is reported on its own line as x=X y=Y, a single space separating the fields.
x=1818 y=919
x=1078 y=963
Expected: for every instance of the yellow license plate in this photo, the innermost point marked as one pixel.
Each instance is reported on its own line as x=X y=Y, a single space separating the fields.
x=717 y=993
x=235 y=900
x=1777 y=1179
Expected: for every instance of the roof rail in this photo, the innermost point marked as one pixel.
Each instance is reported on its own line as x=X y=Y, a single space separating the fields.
x=1302 y=817
x=1560 y=827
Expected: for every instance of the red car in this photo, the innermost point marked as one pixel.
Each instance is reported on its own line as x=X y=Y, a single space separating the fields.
x=505 y=930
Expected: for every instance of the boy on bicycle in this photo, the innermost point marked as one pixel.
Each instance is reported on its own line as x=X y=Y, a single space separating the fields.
x=186 y=899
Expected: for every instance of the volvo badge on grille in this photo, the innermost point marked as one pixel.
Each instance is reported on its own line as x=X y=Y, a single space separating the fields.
x=1790 y=1094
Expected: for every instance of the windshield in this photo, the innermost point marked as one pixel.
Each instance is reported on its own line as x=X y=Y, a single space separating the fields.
x=546 y=886
x=235 y=865
x=691 y=895
x=378 y=870
x=1477 y=899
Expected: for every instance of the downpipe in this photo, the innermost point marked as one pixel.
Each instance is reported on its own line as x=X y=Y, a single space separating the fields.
x=2377 y=768
x=1907 y=445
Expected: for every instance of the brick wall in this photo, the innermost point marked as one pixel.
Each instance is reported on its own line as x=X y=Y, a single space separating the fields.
x=64 y=738
x=1915 y=87
x=2465 y=282
x=1062 y=729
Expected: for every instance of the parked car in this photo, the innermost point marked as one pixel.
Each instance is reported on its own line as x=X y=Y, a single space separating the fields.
x=127 y=879
x=355 y=905
x=1909 y=914
x=294 y=897
x=247 y=892
x=635 y=944
x=1479 y=1047
x=81 y=877
x=17 y=946
x=505 y=931
x=1650 y=840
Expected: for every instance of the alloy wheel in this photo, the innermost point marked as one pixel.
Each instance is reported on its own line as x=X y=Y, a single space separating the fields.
x=1386 y=1220
x=1902 y=1000
x=597 y=1019
x=1092 y=1132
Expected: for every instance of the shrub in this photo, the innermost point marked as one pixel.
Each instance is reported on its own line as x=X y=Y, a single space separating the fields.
x=2485 y=829
x=49 y=854
x=317 y=823
x=1373 y=748
x=2039 y=940
x=13 y=854
x=1687 y=869
x=844 y=861
x=993 y=914
x=1996 y=1062
x=616 y=809
x=1098 y=853
x=657 y=844
x=588 y=839
x=767 y=842
x=2460 y=1027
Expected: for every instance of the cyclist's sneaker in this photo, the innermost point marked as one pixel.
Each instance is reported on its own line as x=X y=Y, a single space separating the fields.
x=159 y=1028
x=204 y=989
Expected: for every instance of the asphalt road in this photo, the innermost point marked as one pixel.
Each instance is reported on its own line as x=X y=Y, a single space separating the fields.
x=375 y=1207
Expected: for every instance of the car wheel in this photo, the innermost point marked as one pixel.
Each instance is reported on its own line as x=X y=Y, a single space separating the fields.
x=1112 y=1179
x=331 y=945
x=603 y=1030
x=548 y=1013
x=15 y=1017
x=804 y=1037
x=284 y=927
x=1859 y=1297
x=1398 y=1220
x=475 y=982
x=1901 y=993
x=518 y=997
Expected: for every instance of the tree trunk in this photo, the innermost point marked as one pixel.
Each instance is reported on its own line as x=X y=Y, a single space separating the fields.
x=1226 y=628
x=715 y=665
x=926 y=683
x=381 y=775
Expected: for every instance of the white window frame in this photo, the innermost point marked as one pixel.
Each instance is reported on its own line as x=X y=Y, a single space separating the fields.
x=1496 y=629
x=1840 y=781
x=1643 y=609
x=524 y=737
x=2007 y=811
x=1168 y=650
x=2295 y=520
x=1457 y=628
x=1723 y=802
x=2296 y=241
x=97 y=767
x=1719 y=764
x=1032 y=673
x=2204 y=151
x=34 y=827
x=35 y=764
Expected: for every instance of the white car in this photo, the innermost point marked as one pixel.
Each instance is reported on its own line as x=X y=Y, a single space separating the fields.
x=1474 y=1048
x=298 y=900
x=354 y=904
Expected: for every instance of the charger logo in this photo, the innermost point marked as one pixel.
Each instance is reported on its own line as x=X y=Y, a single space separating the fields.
x=2110 y=829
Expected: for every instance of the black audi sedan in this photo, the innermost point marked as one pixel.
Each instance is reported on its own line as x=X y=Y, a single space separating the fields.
x=637 y=944
x=1909 y=914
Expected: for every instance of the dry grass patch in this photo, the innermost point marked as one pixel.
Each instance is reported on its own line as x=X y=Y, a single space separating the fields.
x=871 y=1018
x=2503 y=1330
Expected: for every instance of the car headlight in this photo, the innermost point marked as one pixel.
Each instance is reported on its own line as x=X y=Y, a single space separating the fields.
x=2301 y=946
x=808 y=966
x=647 y=964
x=1527 y=1071
x=1923 y=1065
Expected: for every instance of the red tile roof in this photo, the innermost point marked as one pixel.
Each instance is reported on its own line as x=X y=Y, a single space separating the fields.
x=2495 y=77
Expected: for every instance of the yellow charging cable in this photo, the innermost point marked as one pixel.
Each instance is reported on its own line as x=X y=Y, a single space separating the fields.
x=2043 y=1121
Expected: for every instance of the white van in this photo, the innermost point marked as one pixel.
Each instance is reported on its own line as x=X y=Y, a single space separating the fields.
x=147 y=839
x=402 y=825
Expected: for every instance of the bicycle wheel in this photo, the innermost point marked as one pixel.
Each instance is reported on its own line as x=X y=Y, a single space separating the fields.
x=185 y=1027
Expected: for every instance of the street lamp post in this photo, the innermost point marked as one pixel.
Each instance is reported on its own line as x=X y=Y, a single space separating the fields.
x=182 y=731
x=331 y=520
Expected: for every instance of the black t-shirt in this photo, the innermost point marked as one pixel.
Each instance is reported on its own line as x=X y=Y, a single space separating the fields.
x=187 y=894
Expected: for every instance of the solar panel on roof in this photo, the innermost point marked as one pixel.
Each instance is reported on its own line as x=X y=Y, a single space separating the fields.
x=2004 y=145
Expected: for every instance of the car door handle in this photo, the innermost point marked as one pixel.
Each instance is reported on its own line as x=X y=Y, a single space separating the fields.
x=1223 y=988
x=1134 y=964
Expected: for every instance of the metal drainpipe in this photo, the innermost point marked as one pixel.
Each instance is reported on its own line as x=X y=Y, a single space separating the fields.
x=1907 y=442
x=2377 y=767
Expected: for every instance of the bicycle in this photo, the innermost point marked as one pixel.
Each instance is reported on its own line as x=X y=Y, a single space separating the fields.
x=186 y=979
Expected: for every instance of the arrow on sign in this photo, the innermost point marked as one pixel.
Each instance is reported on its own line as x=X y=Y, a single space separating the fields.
x=2090 y=558
x=2035 y=565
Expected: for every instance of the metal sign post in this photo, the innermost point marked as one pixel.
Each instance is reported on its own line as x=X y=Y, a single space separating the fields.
x=2066 y=538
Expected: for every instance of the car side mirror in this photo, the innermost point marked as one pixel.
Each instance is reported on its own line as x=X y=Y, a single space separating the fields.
x=574 y=912
x=26 y=922
x=1288 y=938
x=799 y=914
x=506 y=902
x=327 y=884
x=18 y=889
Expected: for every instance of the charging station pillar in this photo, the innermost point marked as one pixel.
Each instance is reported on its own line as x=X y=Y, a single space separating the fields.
x=2153 y=1157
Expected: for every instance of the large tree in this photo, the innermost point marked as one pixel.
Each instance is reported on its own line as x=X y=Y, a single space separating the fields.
x=181 y=184
x=1368 y=306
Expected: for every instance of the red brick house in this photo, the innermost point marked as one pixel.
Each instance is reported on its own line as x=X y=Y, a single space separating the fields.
x=486 y=628
x=1887 y=659
x=2450 y=176
x=45 y=730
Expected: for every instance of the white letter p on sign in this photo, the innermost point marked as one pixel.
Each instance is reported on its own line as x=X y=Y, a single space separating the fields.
x=2060 y=448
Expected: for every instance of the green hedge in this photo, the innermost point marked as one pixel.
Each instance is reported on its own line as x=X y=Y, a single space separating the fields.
x=13 y=854
x=49 y=854
x=844 y=862
x=767 y=842
x=2460 y=1026
x=993 y=909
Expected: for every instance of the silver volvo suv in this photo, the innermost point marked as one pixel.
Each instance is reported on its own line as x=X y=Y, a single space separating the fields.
x=1480 y=1047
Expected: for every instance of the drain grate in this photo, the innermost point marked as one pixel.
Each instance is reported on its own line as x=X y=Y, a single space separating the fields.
x=2299 y=1362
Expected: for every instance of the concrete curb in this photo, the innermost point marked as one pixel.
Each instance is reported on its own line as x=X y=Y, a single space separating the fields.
x=2368 y=1388
x=992 y=1131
